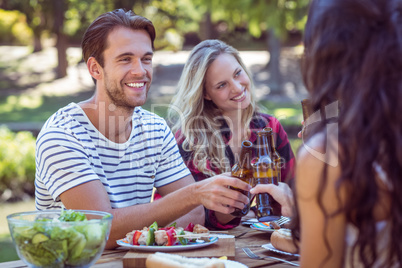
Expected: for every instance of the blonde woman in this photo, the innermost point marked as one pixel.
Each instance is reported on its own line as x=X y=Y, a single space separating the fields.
x=214 y=110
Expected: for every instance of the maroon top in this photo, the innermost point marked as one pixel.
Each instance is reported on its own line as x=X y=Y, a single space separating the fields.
x=258 y=122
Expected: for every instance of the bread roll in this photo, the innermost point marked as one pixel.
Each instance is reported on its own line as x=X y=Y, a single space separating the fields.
x=282 y=239
x=164 y=260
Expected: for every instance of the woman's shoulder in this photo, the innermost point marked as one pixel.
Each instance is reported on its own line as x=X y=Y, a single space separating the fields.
x=314 y=155
x=261 y=120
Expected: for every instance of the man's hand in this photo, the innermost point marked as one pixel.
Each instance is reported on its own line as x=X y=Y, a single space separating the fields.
x=281 y=193
x=214 y=193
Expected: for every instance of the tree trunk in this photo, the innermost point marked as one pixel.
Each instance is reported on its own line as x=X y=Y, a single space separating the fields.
x=37 y=42
x=61 y=44
x=273 y=66
x=126 y=4
x=206 y=27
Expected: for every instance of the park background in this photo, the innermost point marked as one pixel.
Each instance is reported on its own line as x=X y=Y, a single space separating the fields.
x=41 y=68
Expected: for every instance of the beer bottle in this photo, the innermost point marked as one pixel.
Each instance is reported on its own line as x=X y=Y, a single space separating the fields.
x=274 y=153
x=307 y=111
x=264 y=173
x=244 y=171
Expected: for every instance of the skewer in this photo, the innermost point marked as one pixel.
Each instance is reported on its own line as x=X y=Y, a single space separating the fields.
x=198 y=235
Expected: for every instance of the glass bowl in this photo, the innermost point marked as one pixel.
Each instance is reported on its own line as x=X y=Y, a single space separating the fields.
x=60 y=238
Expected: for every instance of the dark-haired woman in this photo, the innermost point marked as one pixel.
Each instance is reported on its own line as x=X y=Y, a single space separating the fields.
x=348 y=176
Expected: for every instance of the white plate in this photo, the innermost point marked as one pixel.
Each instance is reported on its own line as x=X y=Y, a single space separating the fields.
x=262 y=226
x=249 y=221
x=190 y=245
x=270 y=247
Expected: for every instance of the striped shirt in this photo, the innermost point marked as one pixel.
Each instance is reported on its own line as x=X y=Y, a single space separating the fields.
x=70 y=151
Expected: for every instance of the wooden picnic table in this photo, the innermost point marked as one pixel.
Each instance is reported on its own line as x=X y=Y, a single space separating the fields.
x=252 y=239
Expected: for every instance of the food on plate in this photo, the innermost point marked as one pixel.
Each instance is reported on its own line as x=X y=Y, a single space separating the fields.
x=282 y=239
x=199 y=229
x=166 y=236
x=274 y=225
x=165 y=260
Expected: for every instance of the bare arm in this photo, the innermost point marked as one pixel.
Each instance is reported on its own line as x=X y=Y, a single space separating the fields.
x=314 y=250
x=196 y=215
x=212 y=193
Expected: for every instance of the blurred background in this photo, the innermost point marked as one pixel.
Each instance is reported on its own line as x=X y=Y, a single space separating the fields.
x=41 y=68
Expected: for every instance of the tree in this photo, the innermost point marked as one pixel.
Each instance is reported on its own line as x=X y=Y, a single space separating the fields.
x=36 y=14
x=60 y=7
x=271 y=18
x=275 y=18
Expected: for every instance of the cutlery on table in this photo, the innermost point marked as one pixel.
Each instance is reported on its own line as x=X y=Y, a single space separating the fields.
x=252 y=255
x=280 y=222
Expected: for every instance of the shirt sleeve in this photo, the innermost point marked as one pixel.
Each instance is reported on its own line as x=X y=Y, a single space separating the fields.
x=61 y=162
x=211 y=222
x=284 y=149
x=171 y=166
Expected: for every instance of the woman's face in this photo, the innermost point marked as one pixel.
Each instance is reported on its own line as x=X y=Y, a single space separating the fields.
x=227 y=85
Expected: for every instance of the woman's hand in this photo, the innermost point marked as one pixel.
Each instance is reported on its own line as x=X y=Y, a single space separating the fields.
x=214 y=193
x=281 y=193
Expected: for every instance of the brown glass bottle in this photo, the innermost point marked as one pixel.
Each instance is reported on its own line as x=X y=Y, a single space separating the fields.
x=244 y=171
x=307 y=111
x=274 y=153
x=264 y=173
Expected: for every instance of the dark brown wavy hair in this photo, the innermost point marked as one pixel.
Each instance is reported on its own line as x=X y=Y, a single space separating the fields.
x=353 y=55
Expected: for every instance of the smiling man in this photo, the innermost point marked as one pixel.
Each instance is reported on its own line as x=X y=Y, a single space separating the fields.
x=107 y=153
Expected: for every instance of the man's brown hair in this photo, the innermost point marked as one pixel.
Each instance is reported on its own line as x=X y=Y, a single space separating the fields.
x=94 y=41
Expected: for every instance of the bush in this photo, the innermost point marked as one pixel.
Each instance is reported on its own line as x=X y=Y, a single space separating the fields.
x=14 y=29
x=17 y=165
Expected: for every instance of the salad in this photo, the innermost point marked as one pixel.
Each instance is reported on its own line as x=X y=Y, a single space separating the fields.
x=165 y=236
x=55 y=242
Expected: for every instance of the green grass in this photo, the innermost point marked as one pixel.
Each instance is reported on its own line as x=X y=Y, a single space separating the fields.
x=7 y=249
x=35 y=109
x=288 y=113
x=38 y=109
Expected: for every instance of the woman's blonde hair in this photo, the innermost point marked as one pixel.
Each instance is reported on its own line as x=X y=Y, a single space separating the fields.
x=199 y=120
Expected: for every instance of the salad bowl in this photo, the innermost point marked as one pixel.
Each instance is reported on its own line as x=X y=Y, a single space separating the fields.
x=60 y=238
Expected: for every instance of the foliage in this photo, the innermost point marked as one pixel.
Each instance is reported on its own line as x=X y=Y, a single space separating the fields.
x=279 y=15
x=13 y=28
x=17 y=164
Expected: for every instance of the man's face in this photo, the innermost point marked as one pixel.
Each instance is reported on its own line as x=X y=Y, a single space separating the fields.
x=127 y=67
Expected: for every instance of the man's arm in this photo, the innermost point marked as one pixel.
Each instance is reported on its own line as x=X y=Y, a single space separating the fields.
x=212 y=193
x=195 y=216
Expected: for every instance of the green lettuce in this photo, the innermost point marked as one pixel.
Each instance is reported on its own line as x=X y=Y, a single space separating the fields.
x=44 y=245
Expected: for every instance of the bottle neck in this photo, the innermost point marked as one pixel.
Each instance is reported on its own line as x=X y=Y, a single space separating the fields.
x=245 y=156
x=263 y=149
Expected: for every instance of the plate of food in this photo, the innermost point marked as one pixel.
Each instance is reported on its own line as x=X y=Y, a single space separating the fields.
x=263 y=226
x=168 y=239
x=249 y=221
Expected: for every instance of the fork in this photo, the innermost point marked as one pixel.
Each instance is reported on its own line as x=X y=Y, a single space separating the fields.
x=252 y=255
x=283 y=220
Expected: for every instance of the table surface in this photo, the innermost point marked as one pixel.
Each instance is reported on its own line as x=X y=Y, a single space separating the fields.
x=252 y=239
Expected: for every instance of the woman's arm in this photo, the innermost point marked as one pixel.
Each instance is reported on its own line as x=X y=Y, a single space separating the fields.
x=322 y=236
